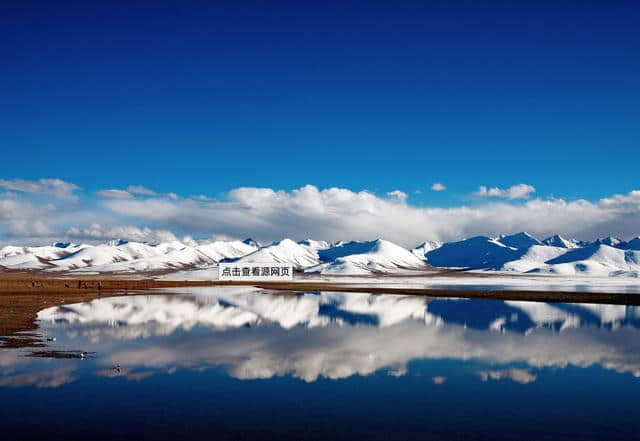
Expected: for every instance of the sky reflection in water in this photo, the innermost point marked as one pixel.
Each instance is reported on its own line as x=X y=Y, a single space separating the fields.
x=329 y=356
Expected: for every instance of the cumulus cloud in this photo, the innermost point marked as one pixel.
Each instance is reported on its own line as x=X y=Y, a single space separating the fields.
x=53 y=187
x=329 y=214
x=438 y=186
x=338 y=213
x=519 y=191
x=127 y=232
x=29 y=228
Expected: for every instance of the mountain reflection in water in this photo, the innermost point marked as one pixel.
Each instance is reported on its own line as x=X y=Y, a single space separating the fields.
x=240 y=362
x=255 y=334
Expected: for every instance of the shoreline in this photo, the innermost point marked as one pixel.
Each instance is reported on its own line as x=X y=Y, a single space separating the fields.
x=22 y=284
x=22 y=296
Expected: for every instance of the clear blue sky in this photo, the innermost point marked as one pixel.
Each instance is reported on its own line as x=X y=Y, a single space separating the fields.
x=202 y=97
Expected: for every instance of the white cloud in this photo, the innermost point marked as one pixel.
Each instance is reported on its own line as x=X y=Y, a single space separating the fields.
x=29 y=228
x=398 y=195
x=337 y=213
x=438 y=186
x=519 y=191
x=53 y=187
x=330 y=214
x=128 y=232
x=114 y=193
x=139 y=189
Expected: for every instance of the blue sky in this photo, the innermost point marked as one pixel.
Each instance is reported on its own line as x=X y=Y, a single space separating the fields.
x=207 y=97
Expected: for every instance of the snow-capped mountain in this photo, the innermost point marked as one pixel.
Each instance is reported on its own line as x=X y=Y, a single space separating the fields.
x=476 y=252
x=610 y=241
x=428 y=245
x=597 y=259
x=561 y=242
x=519 y=240
x=120 y=256
x=285 y=251
x=378 y=256
x=523 y=253
x=220 y=250
x=314 y=244
x=251 y=242
x=517 y=253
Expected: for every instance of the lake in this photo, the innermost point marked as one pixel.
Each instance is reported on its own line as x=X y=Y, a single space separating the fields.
x=245 y=363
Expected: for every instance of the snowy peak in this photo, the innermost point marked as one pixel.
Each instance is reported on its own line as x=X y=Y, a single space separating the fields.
x=251 y=242
x=520 y=240
x=519 y=252
x=597 y=260
x=560 y=242
x=610 y=241
x=347 y=248
x=476 y=252
x=285 y=251
x=421 y=250
x=378 y=256
x=314 y=244
x=221 y=250
x=120 y=256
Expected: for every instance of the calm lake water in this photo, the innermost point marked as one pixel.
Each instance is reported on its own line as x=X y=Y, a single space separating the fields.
x=243 y=363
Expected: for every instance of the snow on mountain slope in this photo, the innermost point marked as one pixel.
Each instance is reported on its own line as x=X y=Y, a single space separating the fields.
x=34 y=258
x=137 y=250
x=45 y=252
x=560 y=242
x=421 y=250
x=285 y=251
x=25 y=261
x=251 y=242
x=220 y=250
x=379 y=256
x=596 y=260
x=187 y=257
x=611 y=241
x=515 y=253
x=476 y=252
x=519 y=240
x=314 y=244
x=534 y=257
x=90 y=256
x=166 y=247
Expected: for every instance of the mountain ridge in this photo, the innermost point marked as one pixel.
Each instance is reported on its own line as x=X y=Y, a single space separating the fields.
x=515 y=253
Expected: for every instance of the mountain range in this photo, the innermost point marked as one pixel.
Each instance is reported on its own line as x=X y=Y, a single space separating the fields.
x=516 y=253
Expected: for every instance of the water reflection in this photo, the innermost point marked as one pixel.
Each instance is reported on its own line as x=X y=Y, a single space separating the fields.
x=252 y=334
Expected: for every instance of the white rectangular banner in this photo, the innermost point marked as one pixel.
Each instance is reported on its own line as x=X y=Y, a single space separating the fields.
x=265 y=272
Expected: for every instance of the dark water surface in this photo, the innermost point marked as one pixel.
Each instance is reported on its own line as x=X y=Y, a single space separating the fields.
x=242 y=363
